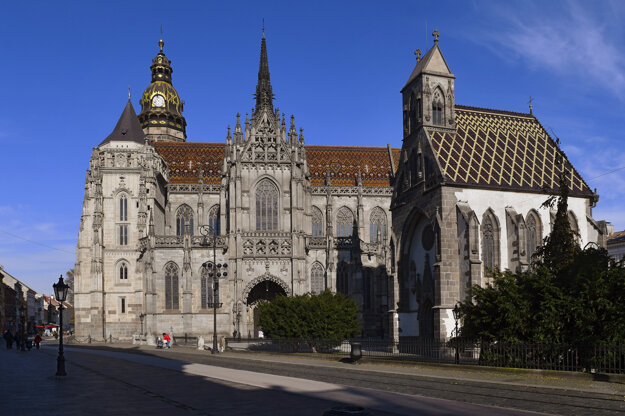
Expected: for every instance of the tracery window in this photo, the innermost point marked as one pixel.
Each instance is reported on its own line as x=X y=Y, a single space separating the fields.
x=206 y=283
x=171 y=286
x=213 y=220
x=344 y=222
x=490 y=241
x=437 y=110
x=316 y=279
x=266 y=206
x=123 y=271
x=123 y=235
x=123 y=208
x=317 y=222
x=533 y=233
x=377 y=226
x=184 y=217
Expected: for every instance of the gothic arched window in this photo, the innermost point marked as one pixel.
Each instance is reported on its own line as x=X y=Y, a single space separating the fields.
x=316 y=279
x=317 y=222
x=490 y=241
x=171 y=286
x=123 y=208
x=377 y=222
x=123 y=271
x=184 y=217
x=534 y=233
x=266 y=206
x=213 y=220
x=206 y=283
x=344 y=222
x=437 y=109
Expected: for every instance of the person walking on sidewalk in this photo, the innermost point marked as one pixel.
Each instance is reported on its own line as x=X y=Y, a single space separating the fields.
x=37 y=340
x=8 y=338
x=167 y=339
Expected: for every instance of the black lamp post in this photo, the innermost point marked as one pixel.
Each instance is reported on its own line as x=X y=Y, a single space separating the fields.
x=23 y=328
x=60 y=292
x=215 y=273
x=456 y=312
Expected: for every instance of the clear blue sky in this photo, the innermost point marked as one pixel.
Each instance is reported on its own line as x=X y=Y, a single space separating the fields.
x=337 y=66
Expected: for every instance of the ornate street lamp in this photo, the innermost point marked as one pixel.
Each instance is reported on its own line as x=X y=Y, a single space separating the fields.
x=456 y=312
x=23 y=329
x=215 y=273
x=60 y=292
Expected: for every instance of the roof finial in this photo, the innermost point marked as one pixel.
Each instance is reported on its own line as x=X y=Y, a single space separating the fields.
x=263 y=28
x=530 y=103
x=418 y=53
x=129 y=93
x=436 y=34
x=161 y=44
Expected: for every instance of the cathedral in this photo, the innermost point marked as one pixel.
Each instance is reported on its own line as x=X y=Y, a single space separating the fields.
x=173 y=229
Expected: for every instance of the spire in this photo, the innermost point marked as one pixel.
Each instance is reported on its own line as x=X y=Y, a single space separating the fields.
x=127 y=128
x=264 y=93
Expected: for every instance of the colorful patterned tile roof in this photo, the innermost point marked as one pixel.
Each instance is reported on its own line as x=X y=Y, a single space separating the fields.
x=185 y=160
x=502 y=149
x=342 y=162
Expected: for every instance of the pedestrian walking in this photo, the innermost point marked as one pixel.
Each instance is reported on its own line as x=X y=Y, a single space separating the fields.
x=167 y=339
x=37 y=340
x=8 y=338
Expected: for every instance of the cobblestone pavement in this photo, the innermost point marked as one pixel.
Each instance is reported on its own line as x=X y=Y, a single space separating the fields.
x=142 y=380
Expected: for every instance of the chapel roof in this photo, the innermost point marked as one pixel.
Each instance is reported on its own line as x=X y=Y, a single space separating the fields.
x=502 y=150
x=341 y=163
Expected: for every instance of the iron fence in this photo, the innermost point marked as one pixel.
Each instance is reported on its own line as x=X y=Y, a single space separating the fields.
x=593 y=358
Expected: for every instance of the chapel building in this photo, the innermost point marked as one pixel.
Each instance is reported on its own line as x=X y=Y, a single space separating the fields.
x=404 y=232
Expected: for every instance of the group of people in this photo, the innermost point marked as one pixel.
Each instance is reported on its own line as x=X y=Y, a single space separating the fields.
x=10 y=338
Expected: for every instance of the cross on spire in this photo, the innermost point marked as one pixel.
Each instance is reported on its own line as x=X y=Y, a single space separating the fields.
x=418 y=53
x=436 y=34
x=530 y=103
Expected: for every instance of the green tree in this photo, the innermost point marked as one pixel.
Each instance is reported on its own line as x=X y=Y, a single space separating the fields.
x=327 y=316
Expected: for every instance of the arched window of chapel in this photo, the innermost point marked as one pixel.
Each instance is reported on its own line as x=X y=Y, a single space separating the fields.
x=123 y=208
x=184 y=218
x=316 y=278
x=122 y=271
x=213 y=220
x=344 y=222
x=437 y=109
x=534 y=233
x=490 y=241
x=171 y=286
x=206 y=286
x=266 y=206
x=377 y=227
x=317 y=222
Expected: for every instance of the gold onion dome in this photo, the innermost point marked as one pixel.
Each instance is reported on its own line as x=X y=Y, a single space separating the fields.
x=160 y=104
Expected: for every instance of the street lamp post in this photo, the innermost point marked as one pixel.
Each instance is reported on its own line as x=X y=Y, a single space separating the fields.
x=23 y=328
x=456 y=312
x=60 y=291
x=215 y=273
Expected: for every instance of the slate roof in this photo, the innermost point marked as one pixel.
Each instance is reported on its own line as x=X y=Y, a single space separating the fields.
x=127 y=128
x=342 y=162
x=503 y=150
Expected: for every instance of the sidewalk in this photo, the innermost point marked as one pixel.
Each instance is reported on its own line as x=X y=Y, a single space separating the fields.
x=563 y=380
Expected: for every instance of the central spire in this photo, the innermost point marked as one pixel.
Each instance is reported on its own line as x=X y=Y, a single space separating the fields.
x=264 y=93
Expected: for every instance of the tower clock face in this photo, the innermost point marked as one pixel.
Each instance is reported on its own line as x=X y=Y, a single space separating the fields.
x=158 y=101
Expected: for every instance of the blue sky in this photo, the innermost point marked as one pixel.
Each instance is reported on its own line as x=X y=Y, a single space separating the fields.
x=337 y=66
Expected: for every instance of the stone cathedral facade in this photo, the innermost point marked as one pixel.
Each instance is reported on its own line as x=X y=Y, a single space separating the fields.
x=404 y=232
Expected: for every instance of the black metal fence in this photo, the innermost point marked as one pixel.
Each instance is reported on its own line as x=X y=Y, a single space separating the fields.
x=595 y=358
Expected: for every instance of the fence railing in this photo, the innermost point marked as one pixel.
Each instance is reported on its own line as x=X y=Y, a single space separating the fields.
x=593 y=358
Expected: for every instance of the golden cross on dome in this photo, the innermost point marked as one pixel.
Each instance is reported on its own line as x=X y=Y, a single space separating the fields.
x=418 y=53
x=436 y=34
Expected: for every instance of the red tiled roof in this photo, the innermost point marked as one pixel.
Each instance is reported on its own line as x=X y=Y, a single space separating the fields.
x=616 y=237
x=185 y=160
x=342 y=162
x=503 y=150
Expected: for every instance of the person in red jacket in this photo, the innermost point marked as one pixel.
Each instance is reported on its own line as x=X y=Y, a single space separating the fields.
x=166 y=339
x=37 y=340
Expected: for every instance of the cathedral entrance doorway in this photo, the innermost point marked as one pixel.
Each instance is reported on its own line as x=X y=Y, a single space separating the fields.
x=264 y=290
x=416 y=279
